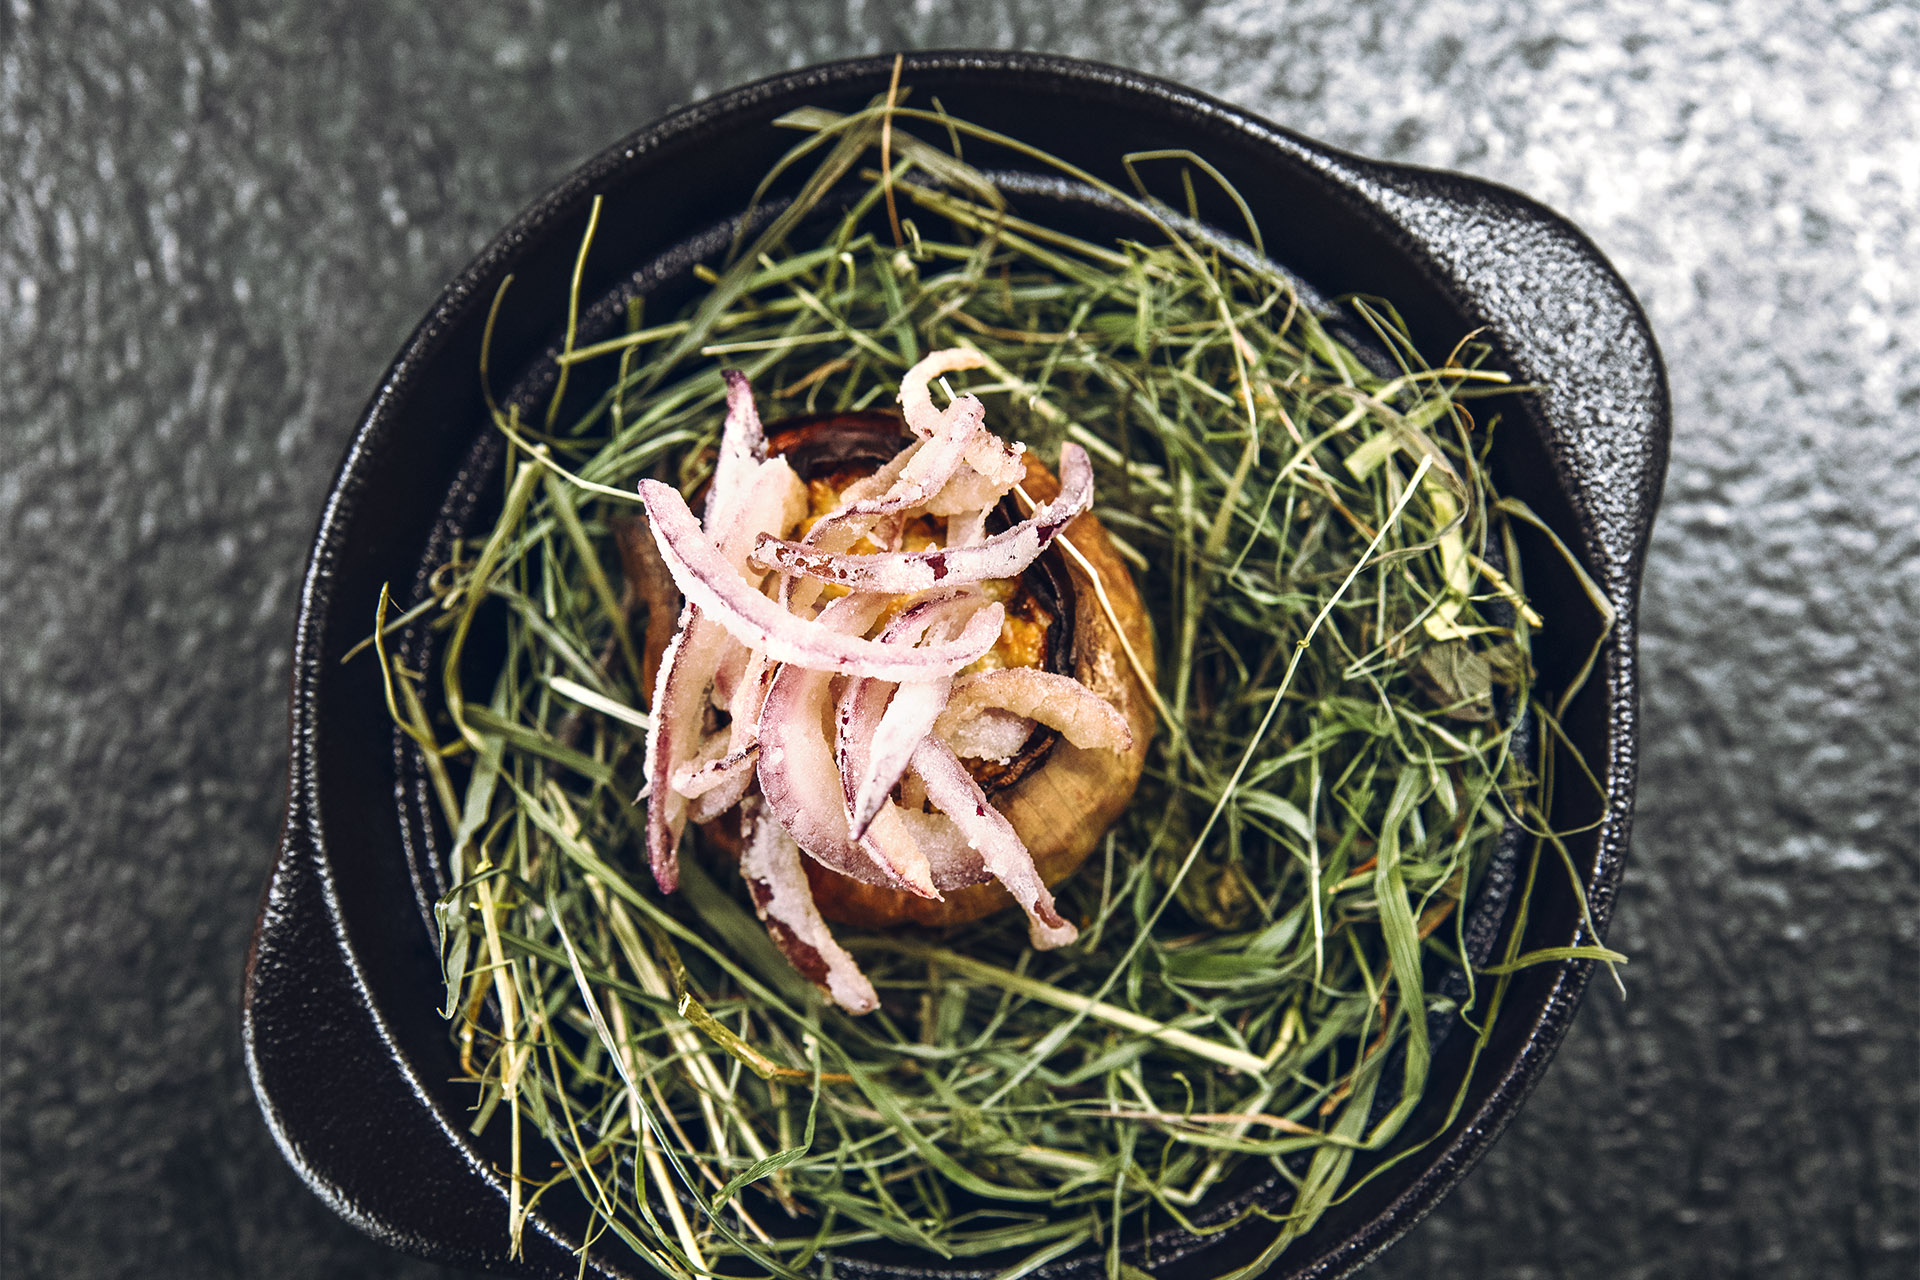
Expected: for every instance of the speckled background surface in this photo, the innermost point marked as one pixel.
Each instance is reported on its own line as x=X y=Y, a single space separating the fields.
x=219 y=220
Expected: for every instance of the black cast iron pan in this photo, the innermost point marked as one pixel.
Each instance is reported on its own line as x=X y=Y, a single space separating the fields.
x=348 y=1054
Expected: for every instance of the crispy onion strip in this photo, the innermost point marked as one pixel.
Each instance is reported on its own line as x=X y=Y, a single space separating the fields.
x=1060 y=702
x=704 y=577
x=953 y=791
x=1003 y=555
x=770 y=864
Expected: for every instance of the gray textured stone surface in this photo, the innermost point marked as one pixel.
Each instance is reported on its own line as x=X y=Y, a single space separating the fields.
x=221 y=219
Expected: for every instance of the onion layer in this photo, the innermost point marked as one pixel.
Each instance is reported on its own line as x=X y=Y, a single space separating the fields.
x=673 y=734
x=801 y=781
x=875 y=736
x=743 y=447
x=1059 y=702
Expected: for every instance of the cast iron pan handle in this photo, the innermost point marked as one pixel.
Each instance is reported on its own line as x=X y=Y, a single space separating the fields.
x=360 y=1129
x=1601 y=405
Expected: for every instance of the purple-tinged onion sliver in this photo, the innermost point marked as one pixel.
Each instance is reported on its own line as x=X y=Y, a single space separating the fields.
x=932 y=469
x=966 y=528
x=877 y=483
x=712 y=748
x=770 y=864
x=726 y=676
x=749 y=695
x=776 y=499
x=697 y=777
x=715 y=779
x=908 y=719
x=704 y=577
x=916 y=399
x=856 y=716
x=704 y=809
x=928 y=468
x=954 y=792
x=743 y=447
x=1004 y=555
x=674 y=733
x=801 y=781
x=985 y=453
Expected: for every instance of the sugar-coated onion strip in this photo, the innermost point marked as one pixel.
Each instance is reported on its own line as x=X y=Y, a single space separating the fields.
x=875 y=735
x=898 y=709
x=916 y=395
x=775 y=501
x=674 y=734
x=1003 y=555
x=704 y=577
x=770 y=864
x=695 y=776
x=954 y=792
x=743 y=446
x=956 y=864
x=1060 y=702
x=989 y=733
x=930 y=470
x=801 y=780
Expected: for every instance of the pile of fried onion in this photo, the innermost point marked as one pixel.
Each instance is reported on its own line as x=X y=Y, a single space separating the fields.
x=847 y=719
